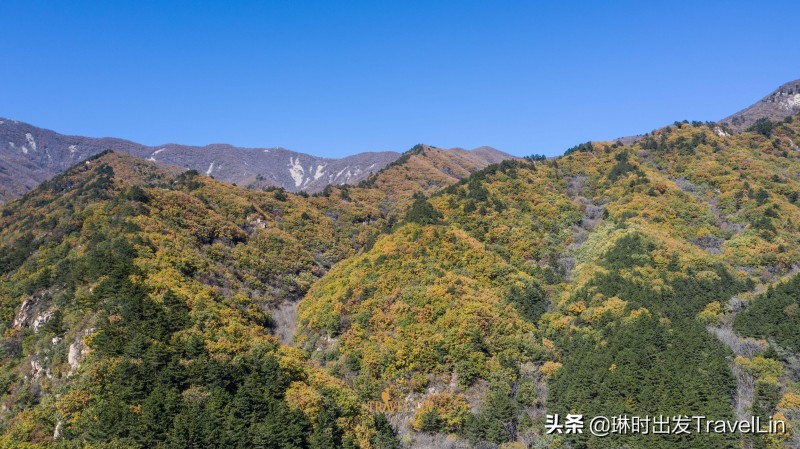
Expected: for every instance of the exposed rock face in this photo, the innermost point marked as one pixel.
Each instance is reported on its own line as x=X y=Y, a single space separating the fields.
x=73 y=357
x=33 y=313
x=778 y=105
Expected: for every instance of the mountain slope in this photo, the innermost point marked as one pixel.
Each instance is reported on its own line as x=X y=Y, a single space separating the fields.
x=778 y=105
x=30 y=155
x=147 y=271
x=781 y=103
x=136 y=304
x=582 y=283
x=141 y=303
x=426 y=169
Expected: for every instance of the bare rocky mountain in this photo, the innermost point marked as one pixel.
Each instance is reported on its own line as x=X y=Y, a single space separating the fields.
x=778 y=105
x=30 y=155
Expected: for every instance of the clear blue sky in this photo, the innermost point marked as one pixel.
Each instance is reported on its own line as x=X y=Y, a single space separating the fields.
x=338 y=77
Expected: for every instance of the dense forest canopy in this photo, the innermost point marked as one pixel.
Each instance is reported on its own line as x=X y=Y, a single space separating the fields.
x=145 y=306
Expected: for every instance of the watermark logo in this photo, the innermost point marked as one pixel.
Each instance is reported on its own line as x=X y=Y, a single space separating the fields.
x=389 y=405
x=601 y=426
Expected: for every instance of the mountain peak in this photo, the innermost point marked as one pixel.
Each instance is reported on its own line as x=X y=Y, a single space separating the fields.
x=426 y=169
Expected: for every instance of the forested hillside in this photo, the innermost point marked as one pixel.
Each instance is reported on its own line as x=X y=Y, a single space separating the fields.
x=136 y=311
x=139 y=305
x=145 y=306
x=581 y=283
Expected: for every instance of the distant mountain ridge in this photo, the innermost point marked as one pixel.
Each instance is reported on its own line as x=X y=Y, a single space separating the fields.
x=30 y=155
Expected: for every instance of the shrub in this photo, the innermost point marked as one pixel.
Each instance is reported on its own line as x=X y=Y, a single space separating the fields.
x=763 y=126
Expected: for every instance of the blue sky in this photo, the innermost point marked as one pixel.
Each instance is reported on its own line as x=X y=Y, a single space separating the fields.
x=337 y=78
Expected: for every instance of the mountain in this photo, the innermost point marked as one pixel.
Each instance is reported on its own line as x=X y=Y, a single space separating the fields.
x=157 y=304
x=444 y=301
x=142 y=304
x=605 y=282
x=145 y=261
x=426 y=169
x=30 y=155
x=783 y=102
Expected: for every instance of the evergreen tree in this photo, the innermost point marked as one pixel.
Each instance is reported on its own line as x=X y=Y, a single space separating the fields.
x=422 y=212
